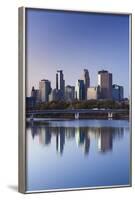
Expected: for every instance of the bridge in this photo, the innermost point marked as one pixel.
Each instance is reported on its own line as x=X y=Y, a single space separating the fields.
x=77 y=112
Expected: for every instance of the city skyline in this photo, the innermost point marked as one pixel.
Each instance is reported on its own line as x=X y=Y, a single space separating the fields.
x=81 y=90
x=72 y=41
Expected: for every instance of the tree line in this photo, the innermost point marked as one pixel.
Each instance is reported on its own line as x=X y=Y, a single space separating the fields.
x=89 y=104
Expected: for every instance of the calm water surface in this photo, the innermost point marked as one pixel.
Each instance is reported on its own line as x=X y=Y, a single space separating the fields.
x=77 y=153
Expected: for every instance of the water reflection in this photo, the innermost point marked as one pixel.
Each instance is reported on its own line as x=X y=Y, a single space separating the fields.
x=104 y=136
x=77 y=153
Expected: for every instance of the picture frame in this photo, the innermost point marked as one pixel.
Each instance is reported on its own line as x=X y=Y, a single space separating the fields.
x=76 y=110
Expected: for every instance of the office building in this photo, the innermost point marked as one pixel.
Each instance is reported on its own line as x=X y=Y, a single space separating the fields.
x=117 y=92
x=80 y=90
x=92 y=93
x=69 y=93
x=30 y=102
x=86 y=79
x=35 y=94
x=54 y=95
x=60 y=83
x=105 y=84
x=45 y=89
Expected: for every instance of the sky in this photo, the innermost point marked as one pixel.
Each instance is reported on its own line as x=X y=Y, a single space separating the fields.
x=73 y=41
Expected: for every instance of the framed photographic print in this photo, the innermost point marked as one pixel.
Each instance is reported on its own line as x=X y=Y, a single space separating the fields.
x=74 y=100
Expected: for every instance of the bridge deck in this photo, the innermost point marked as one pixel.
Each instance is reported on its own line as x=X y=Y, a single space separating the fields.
x=73 y=111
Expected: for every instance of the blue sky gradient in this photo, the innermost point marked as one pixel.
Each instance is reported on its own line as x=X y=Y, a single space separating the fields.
x=72 y=41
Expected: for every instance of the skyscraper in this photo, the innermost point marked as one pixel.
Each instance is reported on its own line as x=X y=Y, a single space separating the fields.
x=45 y=89
x=105 y=84
x=80 y=90
x=35 y=94
x=56 y=81
x=54 y=95
x=69 y=93
x=60 y=83
x=86 y=79
x=117 y=92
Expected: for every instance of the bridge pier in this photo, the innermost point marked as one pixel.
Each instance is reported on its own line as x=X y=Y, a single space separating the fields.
x=110 y=115
x=77 y=115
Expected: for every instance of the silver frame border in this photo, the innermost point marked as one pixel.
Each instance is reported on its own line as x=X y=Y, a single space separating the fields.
x=21 y=97
x=22 y=102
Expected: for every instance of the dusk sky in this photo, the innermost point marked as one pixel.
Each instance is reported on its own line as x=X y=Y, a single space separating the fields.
x=74 y=41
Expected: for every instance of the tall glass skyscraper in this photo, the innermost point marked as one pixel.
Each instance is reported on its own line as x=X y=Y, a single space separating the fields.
x=60 y=83
x=86 y=79
x=80 y=90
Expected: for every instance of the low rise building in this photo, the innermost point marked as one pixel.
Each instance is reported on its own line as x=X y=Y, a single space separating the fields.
x=92 y=93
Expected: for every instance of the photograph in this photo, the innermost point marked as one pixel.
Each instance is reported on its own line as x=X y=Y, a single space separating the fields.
x=77 y=100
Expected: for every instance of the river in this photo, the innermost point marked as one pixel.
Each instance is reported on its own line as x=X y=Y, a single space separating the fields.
x=68 y=154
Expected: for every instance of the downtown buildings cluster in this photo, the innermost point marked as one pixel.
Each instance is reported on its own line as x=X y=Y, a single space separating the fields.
x=105 y=90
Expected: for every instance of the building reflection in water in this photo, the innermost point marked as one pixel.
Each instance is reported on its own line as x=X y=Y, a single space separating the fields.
x=83 y=136
x=83 y=139
x=60 y=140
x=87 y=145
x=105 y=139
x=44 y=136
x=34 y=129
